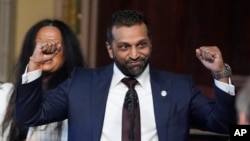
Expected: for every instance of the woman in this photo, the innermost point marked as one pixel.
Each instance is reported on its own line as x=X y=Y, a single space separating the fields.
x=55 y=71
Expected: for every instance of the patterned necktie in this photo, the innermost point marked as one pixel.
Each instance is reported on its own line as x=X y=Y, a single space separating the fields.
x=131 y=113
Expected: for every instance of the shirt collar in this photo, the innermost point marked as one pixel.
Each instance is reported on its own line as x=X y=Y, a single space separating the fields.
x=118 y=76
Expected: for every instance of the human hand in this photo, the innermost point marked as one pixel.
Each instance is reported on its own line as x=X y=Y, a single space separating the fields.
x=211 y=58
x=45 y=50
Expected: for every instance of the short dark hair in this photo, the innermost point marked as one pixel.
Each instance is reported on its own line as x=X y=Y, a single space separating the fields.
x=126 y=18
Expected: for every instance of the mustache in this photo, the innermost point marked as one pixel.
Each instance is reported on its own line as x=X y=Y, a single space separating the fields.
x=136 y=60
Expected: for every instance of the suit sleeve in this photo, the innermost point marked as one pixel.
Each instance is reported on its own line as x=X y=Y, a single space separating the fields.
x=32 y=107
x=213 y=114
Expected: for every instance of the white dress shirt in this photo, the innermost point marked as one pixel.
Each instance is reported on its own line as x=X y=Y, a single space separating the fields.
x=113 y=115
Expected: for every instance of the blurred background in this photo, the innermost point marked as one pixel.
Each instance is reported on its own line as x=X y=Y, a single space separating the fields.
x=178 y=28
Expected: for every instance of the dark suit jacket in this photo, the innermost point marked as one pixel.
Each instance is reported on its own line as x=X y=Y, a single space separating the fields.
x=82 y=99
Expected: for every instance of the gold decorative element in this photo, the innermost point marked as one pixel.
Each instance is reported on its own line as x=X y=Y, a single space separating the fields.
x=71 y=14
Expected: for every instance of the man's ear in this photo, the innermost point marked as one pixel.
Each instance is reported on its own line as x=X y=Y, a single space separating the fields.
x=109 y=49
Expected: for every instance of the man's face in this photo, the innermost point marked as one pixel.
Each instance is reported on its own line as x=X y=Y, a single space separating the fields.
x=130 y=49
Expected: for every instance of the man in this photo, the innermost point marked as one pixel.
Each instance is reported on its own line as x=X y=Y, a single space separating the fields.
x=243 y=104
x=92 y=100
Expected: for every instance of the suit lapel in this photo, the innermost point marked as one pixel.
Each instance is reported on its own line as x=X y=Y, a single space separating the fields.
x=161 y=88
x=101 y=84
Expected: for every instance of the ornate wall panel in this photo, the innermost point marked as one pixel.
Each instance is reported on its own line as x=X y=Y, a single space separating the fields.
x=7 y=9
x=81 y=15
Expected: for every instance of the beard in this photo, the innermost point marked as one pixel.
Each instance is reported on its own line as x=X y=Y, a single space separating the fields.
x=131 y=70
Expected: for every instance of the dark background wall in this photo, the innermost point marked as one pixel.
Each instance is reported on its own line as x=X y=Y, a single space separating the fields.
x=181 y=26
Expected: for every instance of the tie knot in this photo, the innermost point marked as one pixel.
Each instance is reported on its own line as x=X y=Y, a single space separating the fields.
x=130 y=82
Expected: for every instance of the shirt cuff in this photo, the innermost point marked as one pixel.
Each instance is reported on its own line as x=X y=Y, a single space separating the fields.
x=228 y=88
x=28 y=77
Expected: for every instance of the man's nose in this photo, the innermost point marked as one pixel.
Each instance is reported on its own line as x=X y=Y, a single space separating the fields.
x=134 y=53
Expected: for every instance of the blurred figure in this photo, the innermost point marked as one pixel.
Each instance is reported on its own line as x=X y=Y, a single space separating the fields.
x=6 y=89
x=54 y=71
x=243 y=104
